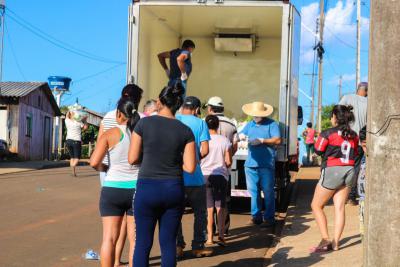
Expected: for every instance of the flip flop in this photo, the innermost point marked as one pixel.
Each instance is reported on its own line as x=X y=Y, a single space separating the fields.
x=209 y=243
x=321 y=249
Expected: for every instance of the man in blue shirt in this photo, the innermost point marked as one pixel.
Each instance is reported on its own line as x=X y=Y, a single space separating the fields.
x=263 y=135
x=180 y=64
x=195 y=189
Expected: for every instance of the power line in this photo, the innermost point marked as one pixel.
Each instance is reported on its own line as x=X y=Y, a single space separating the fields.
x=84 y=91
x=89 y=77
x=97 y=73
x=56 y=42
x=334 y=69
x=343 y=42
x=14 y=54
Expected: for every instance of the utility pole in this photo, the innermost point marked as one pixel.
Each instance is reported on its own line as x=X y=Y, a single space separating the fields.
x=320 y=51
x=58 y=127
x=358 y=66
x=2 y=16
x=382 y=242
x=340 y=87
x=312 y=95
x=313 y=74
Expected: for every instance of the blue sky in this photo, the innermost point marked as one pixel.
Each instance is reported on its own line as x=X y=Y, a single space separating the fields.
x=98 y=29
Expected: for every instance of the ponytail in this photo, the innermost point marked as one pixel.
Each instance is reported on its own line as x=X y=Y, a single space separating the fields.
x=344 y=116
x=127 y=107
x=172 y=97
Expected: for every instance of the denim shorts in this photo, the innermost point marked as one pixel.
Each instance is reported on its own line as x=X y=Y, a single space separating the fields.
x=74 y=148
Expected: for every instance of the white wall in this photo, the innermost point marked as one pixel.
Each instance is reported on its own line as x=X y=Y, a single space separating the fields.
x=154 y=38
x=3 y=124
x=238 y=79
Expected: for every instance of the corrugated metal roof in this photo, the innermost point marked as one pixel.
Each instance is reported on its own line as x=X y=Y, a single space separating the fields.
x=18 y=89
x=21 y=89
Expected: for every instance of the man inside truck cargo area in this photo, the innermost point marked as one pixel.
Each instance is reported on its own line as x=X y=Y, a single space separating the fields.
x=180 y=64
x=195 y=188
x=263 y=136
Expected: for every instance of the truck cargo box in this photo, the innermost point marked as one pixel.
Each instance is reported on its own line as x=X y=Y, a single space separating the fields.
x=266 y=35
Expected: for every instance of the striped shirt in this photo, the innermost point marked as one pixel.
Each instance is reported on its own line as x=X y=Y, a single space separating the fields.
x=110 y=121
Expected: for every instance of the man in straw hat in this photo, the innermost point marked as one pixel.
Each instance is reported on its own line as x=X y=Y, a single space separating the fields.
x=263 y=135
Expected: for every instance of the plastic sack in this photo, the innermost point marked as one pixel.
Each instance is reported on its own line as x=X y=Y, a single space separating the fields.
x=77 y=112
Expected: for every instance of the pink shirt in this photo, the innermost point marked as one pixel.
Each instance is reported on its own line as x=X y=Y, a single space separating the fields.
x=310 y=136
x=214 y=162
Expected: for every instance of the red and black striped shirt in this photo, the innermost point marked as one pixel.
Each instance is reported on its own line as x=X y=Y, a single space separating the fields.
x=335 y=149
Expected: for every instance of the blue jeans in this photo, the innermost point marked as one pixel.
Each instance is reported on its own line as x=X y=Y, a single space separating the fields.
x=261 y=179
x=172 y=82
x=162 y=201
x=196 y=197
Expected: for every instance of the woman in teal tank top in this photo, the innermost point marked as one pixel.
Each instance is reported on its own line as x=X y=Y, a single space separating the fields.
x=120 y=180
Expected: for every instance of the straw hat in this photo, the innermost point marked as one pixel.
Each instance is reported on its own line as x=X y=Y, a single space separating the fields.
x=258 y=109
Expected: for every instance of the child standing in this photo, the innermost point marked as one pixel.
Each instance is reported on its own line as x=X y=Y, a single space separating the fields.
x=338 y=147
x=216 y=174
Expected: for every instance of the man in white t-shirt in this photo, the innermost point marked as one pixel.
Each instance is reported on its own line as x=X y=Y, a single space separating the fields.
x=359 y=102
x=74 y=139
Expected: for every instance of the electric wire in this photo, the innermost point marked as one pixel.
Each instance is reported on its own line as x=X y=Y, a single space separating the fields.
x=385 y=125
x=89 y=77
x=334 y=69
x=56 y=42
x=343 y=42
x=14 y=54
x=97 y=73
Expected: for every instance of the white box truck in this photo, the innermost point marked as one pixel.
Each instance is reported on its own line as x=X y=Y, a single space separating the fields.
x=245 y=51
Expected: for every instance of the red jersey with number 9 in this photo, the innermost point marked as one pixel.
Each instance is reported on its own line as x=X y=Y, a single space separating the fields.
x=335 y=149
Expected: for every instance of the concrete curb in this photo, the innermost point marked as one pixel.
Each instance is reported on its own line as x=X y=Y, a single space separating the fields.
x=41 y=166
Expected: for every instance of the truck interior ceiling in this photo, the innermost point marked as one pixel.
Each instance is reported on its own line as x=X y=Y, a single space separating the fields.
x=237 y=55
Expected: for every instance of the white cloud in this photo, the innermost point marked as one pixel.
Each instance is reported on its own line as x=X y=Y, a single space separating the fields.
x=309 y=15
x=349 y=77
x=339 y=26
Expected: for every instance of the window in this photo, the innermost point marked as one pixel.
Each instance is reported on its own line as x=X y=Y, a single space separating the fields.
x=39 y=102
x=28 y=125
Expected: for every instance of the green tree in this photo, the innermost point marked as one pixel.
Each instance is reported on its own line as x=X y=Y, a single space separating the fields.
x=326 y=117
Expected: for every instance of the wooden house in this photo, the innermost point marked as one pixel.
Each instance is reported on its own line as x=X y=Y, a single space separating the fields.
x=27 y=111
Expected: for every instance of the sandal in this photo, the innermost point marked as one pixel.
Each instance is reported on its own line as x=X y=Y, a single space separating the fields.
x=209 y=243
x=324 y=246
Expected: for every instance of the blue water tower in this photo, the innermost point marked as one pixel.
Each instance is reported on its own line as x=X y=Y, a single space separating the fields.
x=59 y=83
